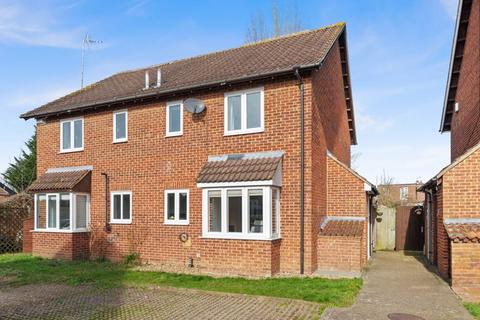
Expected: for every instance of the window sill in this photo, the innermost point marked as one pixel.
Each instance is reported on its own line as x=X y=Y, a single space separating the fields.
x=238 y=237
x=241 y=132
x=71 y=151
x=60 y=231
x=170 y=135
x=121 y=222
x=119 y=141
x=176 y=223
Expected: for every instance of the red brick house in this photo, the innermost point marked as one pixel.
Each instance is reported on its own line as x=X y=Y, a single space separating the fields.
x=452 y=202
x=253 y=179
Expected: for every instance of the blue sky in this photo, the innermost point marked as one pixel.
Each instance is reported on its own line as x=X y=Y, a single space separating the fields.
x=399 y=54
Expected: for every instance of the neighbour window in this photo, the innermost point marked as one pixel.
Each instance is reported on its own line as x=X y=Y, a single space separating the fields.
x=404 y=193
x=241 y=213
x=244 y=112
x=71 y=135
x=174 y=119
x=176 y=207
x=121 y=206
x=120 y=126
x=55 y=212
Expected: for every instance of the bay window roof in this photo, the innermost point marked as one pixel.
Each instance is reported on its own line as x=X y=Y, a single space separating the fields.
x=76 y=179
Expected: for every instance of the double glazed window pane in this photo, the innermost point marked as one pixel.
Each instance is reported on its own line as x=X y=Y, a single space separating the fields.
x=81 y=211
x=41 y=211
x=126 y=206
x=234 y=113
x=120 y=126
x=65 y=211
x=66 y=135
x=255 y=205
x=78 y=134
x=171 y=206
x=174 y=118
x=52 y=211
x=253 y=110
x=117 y=207
x=214 y=211
x=234 y=210
x=182 y=210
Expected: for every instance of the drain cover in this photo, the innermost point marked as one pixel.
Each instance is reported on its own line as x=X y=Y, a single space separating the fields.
x=403 y=316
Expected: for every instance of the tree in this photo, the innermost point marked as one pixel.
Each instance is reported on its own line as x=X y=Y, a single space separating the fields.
x=385 y=198
x=284 y=20
x=22 y=171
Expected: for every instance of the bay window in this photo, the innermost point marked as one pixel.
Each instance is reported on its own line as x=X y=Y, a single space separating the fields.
x=241 y=212
x=61 y=211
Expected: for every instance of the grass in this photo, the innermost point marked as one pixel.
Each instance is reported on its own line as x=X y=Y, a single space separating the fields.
x=473 y=308
x=24 y=269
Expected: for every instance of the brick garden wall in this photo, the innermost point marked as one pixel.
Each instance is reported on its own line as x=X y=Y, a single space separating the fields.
x=465 y=127
x=340 y=253
x=28 y=225
x=465 y=270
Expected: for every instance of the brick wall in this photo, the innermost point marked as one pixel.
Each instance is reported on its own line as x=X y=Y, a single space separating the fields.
x=465 y=270
x=465 y=127
x=340 y=253
x=149 y=163
x=61 y=245
x=27 y=235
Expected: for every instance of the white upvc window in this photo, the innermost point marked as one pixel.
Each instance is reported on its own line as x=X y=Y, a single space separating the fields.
x=244 y=112
x=403 y=193
x=62 y=212
x=174 y=125
x=121 y=207
x=241 y=213
x=120 y=126
x=71 y=135
x=177 y=207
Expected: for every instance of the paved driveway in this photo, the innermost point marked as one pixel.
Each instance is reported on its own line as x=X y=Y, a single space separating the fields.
x=396 y=283
x=65 y=302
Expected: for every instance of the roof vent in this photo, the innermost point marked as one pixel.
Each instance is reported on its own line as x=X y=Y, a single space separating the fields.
x=147 y=80
x=159 y=78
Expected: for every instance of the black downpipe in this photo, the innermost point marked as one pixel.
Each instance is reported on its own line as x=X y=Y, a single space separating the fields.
x=108 y=228
x=302 y=171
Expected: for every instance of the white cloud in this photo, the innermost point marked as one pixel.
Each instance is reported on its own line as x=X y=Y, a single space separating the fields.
x=136 y=7
x=450 y=6
x=36 y=24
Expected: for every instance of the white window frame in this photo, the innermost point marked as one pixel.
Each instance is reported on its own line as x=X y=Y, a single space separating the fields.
x=177 y=220
x=403 y=193
x=243 y=123
x=72 y=135
x=72 y=198
x=174 y=133
x=115 y=139
x=121 y=220
x=245 y=234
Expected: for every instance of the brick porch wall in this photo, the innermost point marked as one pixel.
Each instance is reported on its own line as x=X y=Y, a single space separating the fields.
x=27 y=228
x=466 y=270
x=60 y=245
x=340 y=253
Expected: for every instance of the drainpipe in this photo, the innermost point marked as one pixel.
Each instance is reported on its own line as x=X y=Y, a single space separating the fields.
x=108 y=228
x=302 y=171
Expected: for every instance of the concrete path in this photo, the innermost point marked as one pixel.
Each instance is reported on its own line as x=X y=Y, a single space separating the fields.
x=398 y=283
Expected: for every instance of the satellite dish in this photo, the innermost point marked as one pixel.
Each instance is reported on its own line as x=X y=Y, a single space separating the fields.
x=193 y=105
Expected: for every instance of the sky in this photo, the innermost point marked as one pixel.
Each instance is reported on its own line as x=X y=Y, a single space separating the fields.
x=399 y=53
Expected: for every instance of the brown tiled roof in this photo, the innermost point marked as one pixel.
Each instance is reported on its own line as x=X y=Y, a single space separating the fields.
x=58 y=181
x=463 y=232
x=272 y=56
x=343 y=228
x=236 y=170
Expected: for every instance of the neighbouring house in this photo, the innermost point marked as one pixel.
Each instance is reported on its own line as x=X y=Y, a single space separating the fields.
x=403 y=194
x=453 y=197
x=234 y=162
x=5 y=191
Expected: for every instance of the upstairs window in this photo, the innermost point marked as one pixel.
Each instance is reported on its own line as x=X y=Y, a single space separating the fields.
x=71 y=135
x=404 y=193
x=121 y=206
x=244 y=112
x=120 y=126
x=174 y=119
x=176 y=207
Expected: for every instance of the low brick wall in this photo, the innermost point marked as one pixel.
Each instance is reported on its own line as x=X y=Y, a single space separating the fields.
x=28 y=225
x=60 y=245
x=339 y=253
x=466 y=270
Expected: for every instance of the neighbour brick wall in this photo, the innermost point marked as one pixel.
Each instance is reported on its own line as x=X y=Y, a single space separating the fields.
x=465 y=127
x=465 y=270
x=60 y=245
x=443 y=251
x=149 y=163
x=28 y=225
x=339 y=253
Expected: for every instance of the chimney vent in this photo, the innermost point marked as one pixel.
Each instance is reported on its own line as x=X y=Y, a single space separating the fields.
x=147 y=80
x=159 y=78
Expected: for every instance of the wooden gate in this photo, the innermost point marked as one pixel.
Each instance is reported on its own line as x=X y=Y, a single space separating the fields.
x=385 y=228
x=409 y=228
